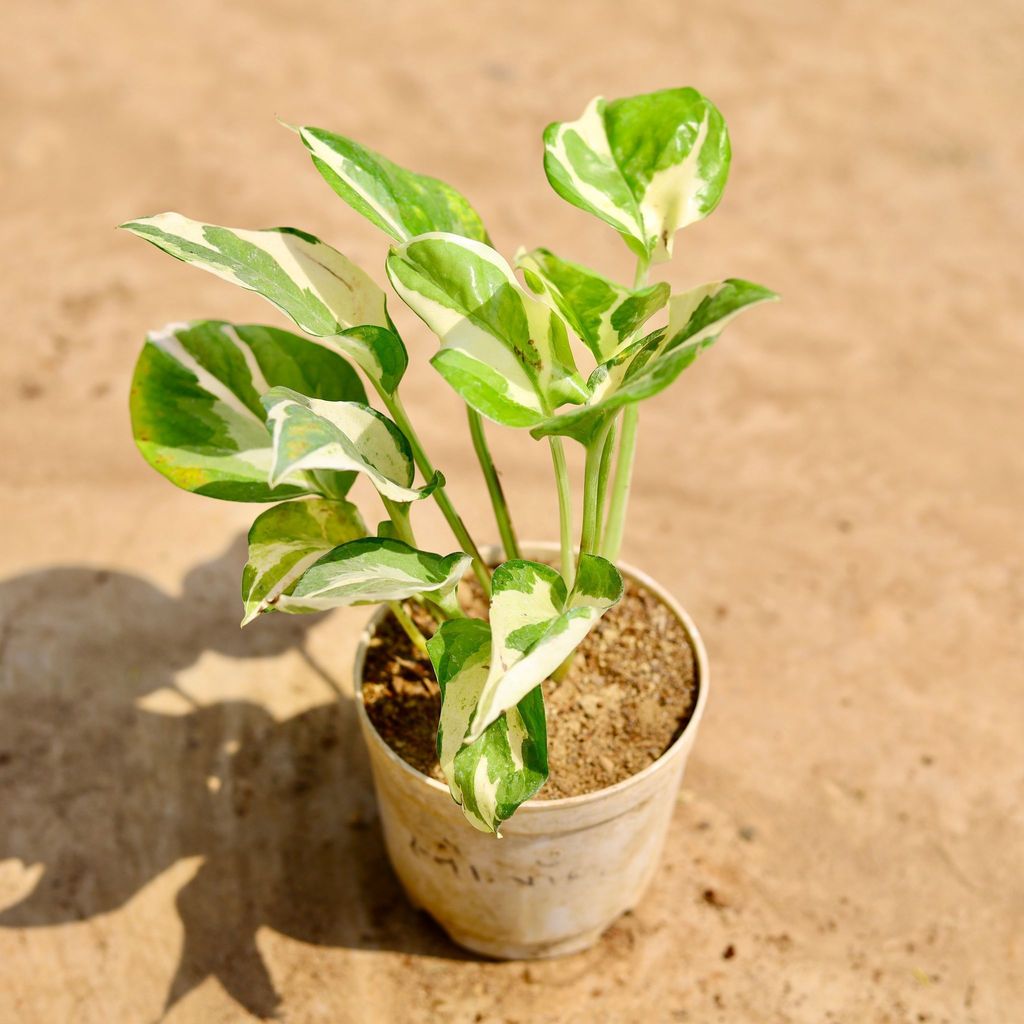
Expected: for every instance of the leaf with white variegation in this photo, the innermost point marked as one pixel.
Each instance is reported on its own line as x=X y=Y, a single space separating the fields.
x=324 y=292
x=506 y=353
x=696 y=318
x=647 y=165
x=603 y=314
x=312 y=435
x=535 y=627
x=196 y=413
x=374 y=570
x=400 y=202
x=492 y=776
x=286 y=540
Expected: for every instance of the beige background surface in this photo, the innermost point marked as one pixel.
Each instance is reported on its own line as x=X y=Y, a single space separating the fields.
x=835 y=492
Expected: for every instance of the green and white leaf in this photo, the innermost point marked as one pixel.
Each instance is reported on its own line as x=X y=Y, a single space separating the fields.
x=286 y=540
x=491 y=777
x=196 y=413
x=324 y=292
x=506 y=353
x=374 y=570
x=400 y=202
x=535 y=628
x=696 y=319
x=604 y=315
x=312 y=435
x=647 y=165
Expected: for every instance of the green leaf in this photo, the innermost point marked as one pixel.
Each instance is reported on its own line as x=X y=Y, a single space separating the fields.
x=696 y=318
x=506 y=353
x=603 y=314
x=535 y=627
x=196 y=413
x=400 y=202
x=647 y=165
x=373 y=570
x=321 y=290
x=506 y=766
x=286 y=540
x=312 y=435
x=326 y=294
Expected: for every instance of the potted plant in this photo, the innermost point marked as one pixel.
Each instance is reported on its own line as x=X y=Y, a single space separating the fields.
x=254 y=413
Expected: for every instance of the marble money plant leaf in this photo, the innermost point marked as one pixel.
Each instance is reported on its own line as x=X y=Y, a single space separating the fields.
x=400 y=202
x=535 y=626
x=642 y=369
x=321 y=290
x=603 y=315
x=647 y=165
x=196 y=413
x=286 y=540
x=508 y=763
x=374 y=570
x=311 y=435
x=505 y=352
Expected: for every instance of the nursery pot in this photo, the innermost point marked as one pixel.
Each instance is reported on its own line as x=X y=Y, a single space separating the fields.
x=563 y=870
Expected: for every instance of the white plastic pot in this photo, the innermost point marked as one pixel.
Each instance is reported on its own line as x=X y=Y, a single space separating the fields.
x=563 y=870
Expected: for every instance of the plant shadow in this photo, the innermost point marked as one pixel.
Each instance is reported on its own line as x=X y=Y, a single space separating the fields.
x=106 y=795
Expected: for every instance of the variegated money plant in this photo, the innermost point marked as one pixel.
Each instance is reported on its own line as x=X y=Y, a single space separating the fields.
x=251 y=413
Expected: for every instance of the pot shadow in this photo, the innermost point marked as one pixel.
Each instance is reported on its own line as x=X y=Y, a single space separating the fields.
x=106 y=795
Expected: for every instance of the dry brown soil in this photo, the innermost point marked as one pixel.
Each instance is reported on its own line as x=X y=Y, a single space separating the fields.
x=835 y=492
x=628 y=693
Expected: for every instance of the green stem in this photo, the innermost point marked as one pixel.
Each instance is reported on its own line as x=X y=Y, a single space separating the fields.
x=564 y=509
x=501 y=513
x=611 y=543
x=591 y=490
x=394 y=406
x=411 y=630
x=620 y=487
x=602 y=478
x=399 y=513
x=640 y=277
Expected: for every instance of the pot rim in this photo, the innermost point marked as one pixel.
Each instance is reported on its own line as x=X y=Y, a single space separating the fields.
x=533 y=805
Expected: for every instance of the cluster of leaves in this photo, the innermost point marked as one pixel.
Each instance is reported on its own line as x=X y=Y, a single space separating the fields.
x=252 y=413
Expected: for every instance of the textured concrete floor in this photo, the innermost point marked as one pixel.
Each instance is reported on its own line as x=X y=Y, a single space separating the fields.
x=835 y=492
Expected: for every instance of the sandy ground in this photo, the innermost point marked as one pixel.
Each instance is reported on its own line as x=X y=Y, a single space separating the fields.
x=186 y=823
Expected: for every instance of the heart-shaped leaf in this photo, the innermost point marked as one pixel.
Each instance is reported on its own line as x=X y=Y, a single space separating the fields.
x=324 y=292
x=535 y=627
x=311 y=435
x=506 y=766
x=604 y=315
x=696 y=318
x=196 y=412
x=506 y=353
x=400 y=202
x=286 y=540
x=374 y=570
x=647 y=165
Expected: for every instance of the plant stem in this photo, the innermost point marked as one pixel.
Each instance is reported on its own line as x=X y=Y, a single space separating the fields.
x=399 y=513
x=640 y=277
x=501 y=513
x=564 y=509
x=612 y=540
x=602 y=478
x=620 y=487
x=401 y=418
x=591 y=489
x=410 y=627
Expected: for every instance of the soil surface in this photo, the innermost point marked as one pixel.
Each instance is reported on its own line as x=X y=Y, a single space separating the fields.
x=188 y=831
x=628 y=694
